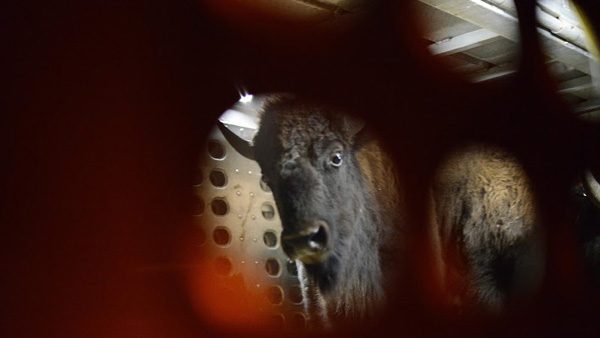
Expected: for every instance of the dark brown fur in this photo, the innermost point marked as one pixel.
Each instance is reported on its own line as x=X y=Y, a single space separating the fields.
x=486 y=220
x=361 y=200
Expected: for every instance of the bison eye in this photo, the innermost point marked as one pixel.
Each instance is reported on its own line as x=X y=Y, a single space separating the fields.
x=336 y=159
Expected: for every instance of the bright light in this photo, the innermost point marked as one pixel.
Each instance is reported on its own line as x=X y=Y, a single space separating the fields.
x=246 y=98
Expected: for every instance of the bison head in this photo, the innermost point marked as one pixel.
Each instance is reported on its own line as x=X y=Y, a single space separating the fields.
x=307 y=156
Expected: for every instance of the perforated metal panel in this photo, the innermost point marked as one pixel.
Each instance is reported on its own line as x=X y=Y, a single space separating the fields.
x=239 y=217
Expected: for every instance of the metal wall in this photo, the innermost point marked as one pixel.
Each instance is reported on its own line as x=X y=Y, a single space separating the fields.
x=238 y=216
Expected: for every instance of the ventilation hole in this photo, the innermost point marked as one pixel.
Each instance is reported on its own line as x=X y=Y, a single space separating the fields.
x=297 y=320
x=223 y=266
x=277 y=321
x=270 y=239
x=219 y=206
x=221 y=236
x=274 y=295
x=267 y=210
x=292 y=268
x=199 y=177
x=217 y=178
x=272 y=267
x=216 y=149
x=295 y=294
x=198 y=205
x=263 y=185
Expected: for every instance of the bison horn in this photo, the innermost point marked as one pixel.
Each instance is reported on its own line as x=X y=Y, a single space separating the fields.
x=239 y=144
x=592 y=187
x=353 y=125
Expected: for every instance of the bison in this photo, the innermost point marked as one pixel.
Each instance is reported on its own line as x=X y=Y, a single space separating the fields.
x=343 y=215
x=337 y=196
x=486 y=226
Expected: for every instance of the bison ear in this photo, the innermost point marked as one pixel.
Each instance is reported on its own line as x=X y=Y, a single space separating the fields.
x=353 y=126
x=242 y=146
x=356 y=131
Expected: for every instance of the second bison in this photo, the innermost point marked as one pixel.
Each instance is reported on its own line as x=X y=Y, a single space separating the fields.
x=486 y=227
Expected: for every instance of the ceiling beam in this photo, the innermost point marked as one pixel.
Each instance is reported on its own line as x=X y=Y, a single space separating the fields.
x=463 y=42
x=576 y=85
x=496 y=20
x=589 y=110
x=495 y=73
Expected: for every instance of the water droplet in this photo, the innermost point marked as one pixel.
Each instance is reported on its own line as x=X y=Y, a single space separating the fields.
x=253 y=217
x=242 y=238
x=257 y=285
x=253 y=239
x=251 y=194
x=239 y=216
x=249 y=172
x=239 y=193
x=255 y=262
x=243 y=262
x=237 y=170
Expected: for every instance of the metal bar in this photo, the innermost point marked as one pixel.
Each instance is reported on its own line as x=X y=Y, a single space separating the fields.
x=495 y=73
x=576 y=85
x=463 y=42
x=590 y=108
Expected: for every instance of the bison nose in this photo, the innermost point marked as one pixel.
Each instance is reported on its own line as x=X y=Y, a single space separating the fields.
x=309 y=245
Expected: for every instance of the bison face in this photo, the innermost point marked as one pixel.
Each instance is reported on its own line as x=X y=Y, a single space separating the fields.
x=307 y=159
x=308 y=190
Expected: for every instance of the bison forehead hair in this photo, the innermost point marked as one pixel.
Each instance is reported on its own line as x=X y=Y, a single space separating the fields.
x=300 y=124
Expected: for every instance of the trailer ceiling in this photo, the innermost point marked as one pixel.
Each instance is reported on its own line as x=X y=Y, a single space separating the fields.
x=480 y=38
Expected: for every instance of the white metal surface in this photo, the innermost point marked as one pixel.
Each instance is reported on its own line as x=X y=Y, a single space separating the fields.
x=242 y=228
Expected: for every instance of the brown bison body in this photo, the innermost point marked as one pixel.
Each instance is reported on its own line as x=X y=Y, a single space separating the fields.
x=487 y=225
